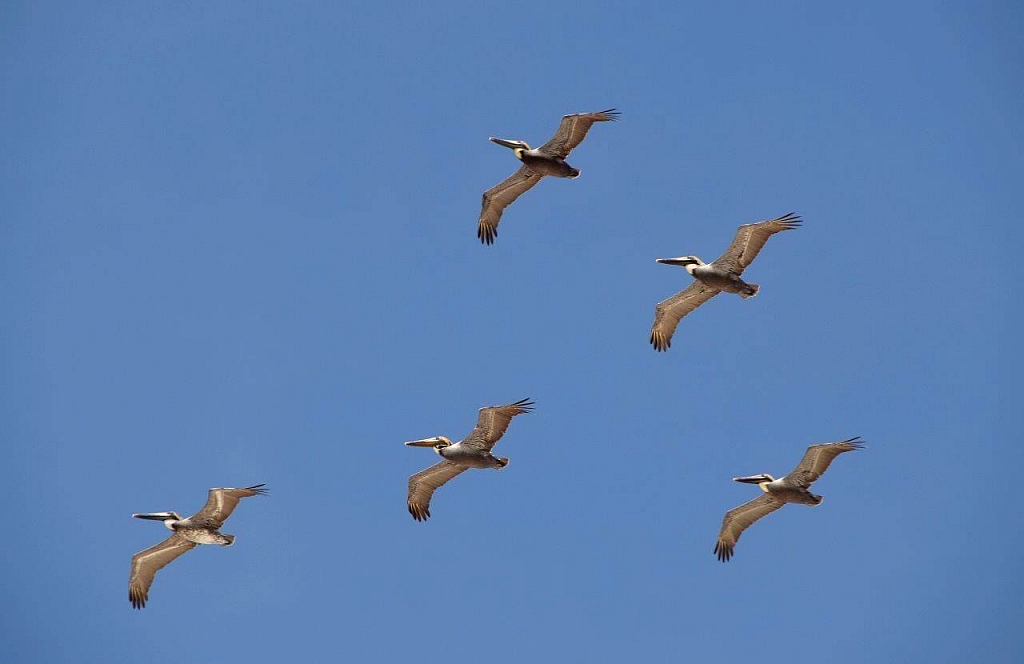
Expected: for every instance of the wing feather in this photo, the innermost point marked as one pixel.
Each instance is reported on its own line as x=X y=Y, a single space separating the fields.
x=221 y=503
x=145 y=565
x=749 y=240
x=499 y=197
x=423 y=484
x=668 y=313
x=739 y=519
x=817 y=460
x=493 y=422
x=573 y=130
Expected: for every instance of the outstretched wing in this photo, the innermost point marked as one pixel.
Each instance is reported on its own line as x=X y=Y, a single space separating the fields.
x=499 y=197
x=749 y=240
x=739 y=519
x=817 y=459
x=573 y=130
x=668 y=313
x=145 y=565
x=222 y=503
x=423 y=484
x=493 y=422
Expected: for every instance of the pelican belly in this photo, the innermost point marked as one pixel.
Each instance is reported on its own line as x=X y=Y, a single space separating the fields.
x=720 y=279
x=791 y=495
x=547 y=165
x=203 y=536
x=469 y=456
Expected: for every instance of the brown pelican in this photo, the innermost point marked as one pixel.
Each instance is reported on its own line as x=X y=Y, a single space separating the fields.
x=711 y=279
x=473 y=451
x=200 y=528
x=793 y=488
x=548 y=159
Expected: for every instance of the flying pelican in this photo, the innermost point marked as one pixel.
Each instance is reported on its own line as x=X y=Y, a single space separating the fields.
x=711 y=279
x=473 y=451
x=200 y=528
x=548 y=159
x=793 y=488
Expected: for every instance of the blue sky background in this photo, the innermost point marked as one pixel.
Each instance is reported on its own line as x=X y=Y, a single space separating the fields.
x=238 y=246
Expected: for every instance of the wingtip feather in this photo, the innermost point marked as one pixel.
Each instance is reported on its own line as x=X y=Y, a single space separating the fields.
x=660 y=343
x=486 y=233
x=418 y=512
x=526 y=405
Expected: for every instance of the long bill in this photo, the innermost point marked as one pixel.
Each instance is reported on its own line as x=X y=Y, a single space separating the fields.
x=682 y=260
x=156 y=516
x=753 y=479
x=510 y=143
x=424 y=442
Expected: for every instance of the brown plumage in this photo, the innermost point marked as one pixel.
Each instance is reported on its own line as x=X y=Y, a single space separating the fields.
x=423 y=484
x=145 y=565
x=793 y=488
x=749 y=240
x=669 y=312
x=492 y=423
x=739 y=519
x=548 y=159
x=473 y=451
x=499 y=197
x=200 y=528
x=573 y=130
x=221 y=503
x=719 y=275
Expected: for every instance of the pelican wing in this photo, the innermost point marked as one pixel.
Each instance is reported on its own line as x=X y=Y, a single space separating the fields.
x=493 y=422
x=669 y=312
x=423 y=484
x=499 y=197
x=739 y=519
x=573 y=130
x=817 y=459
x=145 y=565
x=222 y=503
x=749 y=240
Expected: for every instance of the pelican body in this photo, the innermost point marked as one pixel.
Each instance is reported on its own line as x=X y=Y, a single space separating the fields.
x=793 y=488
x=464 y=454
x=710 y=279
x=196 y=532
x=716 y=277
x=539 y=161
x=203 y=527
x=473 y=451
x=548 y=159
x=782 y=489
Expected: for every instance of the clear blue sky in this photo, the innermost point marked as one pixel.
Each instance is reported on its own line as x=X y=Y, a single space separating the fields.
x=238 y=246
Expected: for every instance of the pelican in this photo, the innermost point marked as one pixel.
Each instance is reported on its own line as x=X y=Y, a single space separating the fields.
x=793 y=488
x=473 y=451
x=548 y=159
x=200 y=528
x=713 y=278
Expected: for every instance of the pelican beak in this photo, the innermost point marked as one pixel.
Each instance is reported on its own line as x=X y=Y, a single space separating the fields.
x=155 y=516
x=507 y=143
x=425 y=442
x=682 y=260
x=750 y=479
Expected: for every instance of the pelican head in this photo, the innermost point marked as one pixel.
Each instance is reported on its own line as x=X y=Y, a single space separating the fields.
x=437 y=442
x=760 y=480
x=518 y=147
x=169 y=518
x=689 y=262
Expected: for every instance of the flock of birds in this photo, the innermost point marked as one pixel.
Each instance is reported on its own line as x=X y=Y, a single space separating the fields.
x=474 y=451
